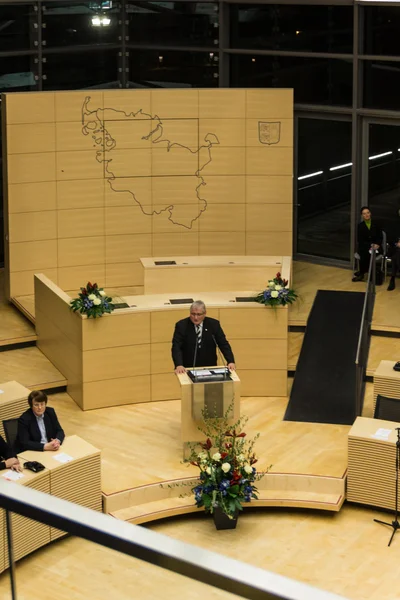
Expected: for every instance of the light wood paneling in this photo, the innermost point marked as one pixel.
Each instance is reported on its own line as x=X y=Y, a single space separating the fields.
x=127 y=248
x=258 y=322
x=124 y=274
x=80 y=251
x=41 y=108
x=131 y=133
x=175 y=161
x=32 y=197
x=37 y=255
x=258 y=354
x=114 y=363
x=123 y=220
x=69 y=105
x=33 y=226
x=256 y=382
x=273 y=189
x=285 y=133
x=179 y=132
x=131 y=163
x=31 y=138
x=269 y=104
x=128 y=104
x=79 y=194
x=80 y=164
x=224 y=189
x=226 y=161
x=23 y=282
x=222 y=243
x=176 y=189
x=175 y=104
x=129 y=191
x=161 y=360
x=269 y=217
x=220 y=218
x=231 y=132
x=273 y=242
x=163 y=323
x=72 y=278
x=31 y=168
x=186 y=215
x=229 y=104
x=80 y=222
x=116 y=392
x=164 y=386
x=175 y=243
x=269 y=160
x=116 y=330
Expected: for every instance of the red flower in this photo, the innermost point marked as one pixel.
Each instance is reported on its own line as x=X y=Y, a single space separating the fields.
x=207 y=445
x=278 y=275
x=229 y=434
x=253 y=460
x=195 y=464
x=223 y=455
x=228 y=445
x=241 y=434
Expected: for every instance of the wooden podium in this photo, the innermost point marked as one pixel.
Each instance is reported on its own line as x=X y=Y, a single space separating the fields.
x=201 y=388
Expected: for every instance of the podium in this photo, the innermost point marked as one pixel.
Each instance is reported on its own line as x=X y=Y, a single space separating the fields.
x=210 y=388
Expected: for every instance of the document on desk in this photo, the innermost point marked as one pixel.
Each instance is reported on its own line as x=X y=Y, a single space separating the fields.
x=200 y=372
x=1 y=391
x=63 y=458
x=382 y=434
x=12 y=475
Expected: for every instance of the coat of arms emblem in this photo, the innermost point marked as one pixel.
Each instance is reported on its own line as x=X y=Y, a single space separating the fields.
x=269 y=132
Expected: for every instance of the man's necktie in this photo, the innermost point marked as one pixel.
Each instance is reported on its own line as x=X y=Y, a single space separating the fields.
x=198 y=335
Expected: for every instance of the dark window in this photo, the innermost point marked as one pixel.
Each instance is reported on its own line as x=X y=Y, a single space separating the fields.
x=17 y=73
x=66 y=71
x=315 y=80
x=286 y=27
x=173 y=23
x=17 y=31
x=381 y=84
x=382 y=30
x=86 y=23
x=159 y=68
x=324 y=190
x=384 y=177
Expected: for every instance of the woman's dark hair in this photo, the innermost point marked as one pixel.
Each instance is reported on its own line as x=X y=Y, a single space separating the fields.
x=364 y=208
x=37 y=395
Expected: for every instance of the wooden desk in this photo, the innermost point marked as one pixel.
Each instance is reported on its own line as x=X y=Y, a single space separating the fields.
x=386 y=381
x=211 y=273
x=125 y=357
x=13 y=401
x=371 y=471
x=78 y=481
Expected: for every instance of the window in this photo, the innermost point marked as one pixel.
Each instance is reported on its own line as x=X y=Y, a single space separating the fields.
x=66 y=71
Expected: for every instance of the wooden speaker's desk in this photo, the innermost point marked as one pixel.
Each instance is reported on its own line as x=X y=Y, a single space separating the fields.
x=386 y=381
x=13 y=401
x=78 y=481
x=211 y=273
x=125 y=357
x=372 y=462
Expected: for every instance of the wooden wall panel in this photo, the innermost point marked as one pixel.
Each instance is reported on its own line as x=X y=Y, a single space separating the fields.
x=114 y=363
x=168 y=172
x=116 y=330
x=116 y=392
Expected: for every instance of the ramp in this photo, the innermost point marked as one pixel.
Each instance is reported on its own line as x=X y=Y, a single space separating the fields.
x=324 y=388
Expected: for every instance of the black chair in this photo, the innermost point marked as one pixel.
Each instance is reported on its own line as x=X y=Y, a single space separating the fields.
x=11 y=431
x=387 y=409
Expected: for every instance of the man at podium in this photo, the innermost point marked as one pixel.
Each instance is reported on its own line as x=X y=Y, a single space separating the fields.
x=196 y=340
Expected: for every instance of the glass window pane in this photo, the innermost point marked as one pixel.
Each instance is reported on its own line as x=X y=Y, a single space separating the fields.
x=86 y=23
x=81 y=70
x=159 y=68
x=381 y=84
x=17 y=31
x=384 y=177
x=173 y=23
x=323 y=195
x=17 y=73
x=382 y=28
x=315 y=80
x=286 y=27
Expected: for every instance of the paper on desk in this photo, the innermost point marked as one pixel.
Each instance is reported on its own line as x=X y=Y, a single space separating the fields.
x=1 y=391
x=381 y=434
x=63 y=457
x=199 y=372
x=12 y=475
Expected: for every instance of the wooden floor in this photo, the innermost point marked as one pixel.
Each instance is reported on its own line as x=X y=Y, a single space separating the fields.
x=345 y=552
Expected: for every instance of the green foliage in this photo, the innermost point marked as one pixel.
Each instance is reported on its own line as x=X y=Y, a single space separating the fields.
x=92 y=301
x=277 y=293
x=226 y=463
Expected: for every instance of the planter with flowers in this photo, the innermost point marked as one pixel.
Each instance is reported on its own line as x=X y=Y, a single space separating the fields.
x=277 y=293
x=92 y=301
x=227 y=473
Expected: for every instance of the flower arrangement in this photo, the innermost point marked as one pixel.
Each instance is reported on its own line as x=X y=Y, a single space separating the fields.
x=226 y=462
x=277 y=293
x=92 y=301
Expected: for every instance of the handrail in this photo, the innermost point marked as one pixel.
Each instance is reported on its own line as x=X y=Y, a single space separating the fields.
x=371 y=272
x=196 y=563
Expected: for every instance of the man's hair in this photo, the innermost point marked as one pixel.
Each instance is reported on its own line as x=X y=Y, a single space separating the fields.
x=364 y=208
x=198 y=304
x=38 y=396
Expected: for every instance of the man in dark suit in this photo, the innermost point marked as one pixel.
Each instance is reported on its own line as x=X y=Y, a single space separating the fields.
x=196 y=339
x=38 y=427
x=369 y=238
x=8 y=460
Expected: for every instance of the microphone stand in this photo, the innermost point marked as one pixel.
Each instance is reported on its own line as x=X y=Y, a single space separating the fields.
x=195 y=355
x=395 y=523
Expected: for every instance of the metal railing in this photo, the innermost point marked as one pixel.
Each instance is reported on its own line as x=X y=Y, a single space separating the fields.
x=196 y=563
x=365 y=334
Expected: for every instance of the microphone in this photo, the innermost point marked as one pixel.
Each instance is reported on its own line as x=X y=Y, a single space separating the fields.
x=195 y=354
x=221 y=356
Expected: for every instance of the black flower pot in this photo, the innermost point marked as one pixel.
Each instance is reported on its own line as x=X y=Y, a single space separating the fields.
x=222 y=521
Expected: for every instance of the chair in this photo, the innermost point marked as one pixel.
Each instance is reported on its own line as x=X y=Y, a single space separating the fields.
x=11 y=431
x=387 y=409
x=381 y=258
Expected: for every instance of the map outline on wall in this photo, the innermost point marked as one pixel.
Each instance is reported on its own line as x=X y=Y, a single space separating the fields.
x=94 y=125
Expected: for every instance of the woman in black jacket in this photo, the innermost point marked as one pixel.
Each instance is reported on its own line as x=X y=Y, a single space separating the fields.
x=369 y=237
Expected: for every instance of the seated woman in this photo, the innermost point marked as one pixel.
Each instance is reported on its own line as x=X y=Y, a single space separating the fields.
x=38 y=427
x=395 y=257
x=8 y=460
x=369 y=237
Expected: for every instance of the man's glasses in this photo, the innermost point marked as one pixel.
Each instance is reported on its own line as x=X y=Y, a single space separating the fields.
x=197 y=314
